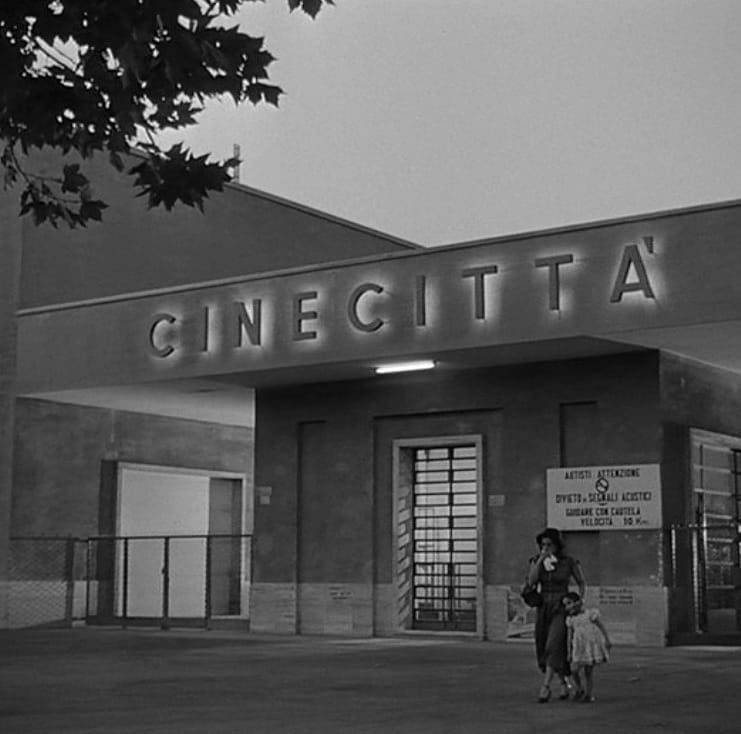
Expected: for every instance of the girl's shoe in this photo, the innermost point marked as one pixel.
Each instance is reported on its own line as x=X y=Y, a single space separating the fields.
x=565 y=692
x=578 y=694
x=588 y=699
x=545 y=694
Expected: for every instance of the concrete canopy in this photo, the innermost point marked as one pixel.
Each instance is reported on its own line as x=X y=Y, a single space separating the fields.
x=665 y=281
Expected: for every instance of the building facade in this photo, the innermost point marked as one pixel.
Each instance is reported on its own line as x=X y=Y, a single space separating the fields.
x=209 y=393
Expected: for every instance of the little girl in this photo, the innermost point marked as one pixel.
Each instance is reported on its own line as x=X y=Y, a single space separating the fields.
x=588 y=644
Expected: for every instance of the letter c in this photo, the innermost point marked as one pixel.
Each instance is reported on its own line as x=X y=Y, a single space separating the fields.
x=352 y=308
x=167 y=349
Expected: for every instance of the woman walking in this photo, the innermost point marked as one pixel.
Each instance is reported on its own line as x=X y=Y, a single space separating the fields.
x=552 y=571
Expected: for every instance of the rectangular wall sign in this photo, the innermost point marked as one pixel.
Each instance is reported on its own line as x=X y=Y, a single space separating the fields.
x=604 y=497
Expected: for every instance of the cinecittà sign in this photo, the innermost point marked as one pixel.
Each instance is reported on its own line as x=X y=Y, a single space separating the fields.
x=366 y=307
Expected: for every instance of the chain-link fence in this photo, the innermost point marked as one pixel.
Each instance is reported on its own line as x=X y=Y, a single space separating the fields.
x=164 y=580
x=704 y=577
x=44 y=576
x=199 y=579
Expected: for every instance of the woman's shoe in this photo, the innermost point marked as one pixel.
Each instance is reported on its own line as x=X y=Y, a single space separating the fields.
x=565 y=694
x=588 y=699
x=545 y=694
x=578 y=694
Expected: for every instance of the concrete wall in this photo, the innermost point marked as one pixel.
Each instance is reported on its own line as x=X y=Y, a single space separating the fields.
x=60 y=449
x=699 y=395
x=135 y=248
x=323 y=482
x=10 y=250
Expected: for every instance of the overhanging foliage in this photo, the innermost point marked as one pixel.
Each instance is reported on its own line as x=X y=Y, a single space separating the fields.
x=104 y=76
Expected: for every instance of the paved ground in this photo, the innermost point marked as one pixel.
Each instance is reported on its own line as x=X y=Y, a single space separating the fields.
x=86 y=681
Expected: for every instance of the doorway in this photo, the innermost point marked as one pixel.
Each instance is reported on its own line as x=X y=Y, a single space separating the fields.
x=716 y=534
x=438 y=534
x=180 y=548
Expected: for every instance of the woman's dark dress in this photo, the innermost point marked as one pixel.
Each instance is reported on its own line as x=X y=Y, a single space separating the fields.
x=550 y=623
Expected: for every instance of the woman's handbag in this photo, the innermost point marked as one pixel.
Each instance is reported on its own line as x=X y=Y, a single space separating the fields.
x=531 y=596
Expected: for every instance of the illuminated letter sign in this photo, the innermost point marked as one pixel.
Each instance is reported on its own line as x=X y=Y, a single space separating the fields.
x=554 y=286
x=205 y=328
x=420 y=301
x=244 y=324
x=352 y=308
x=167 y=349
x=479 y=307
x=299 y=316
x=631 y=256
x=210 y=324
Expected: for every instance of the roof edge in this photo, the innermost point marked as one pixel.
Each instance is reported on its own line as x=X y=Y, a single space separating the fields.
x=323 y=215
x=259 y=193
x=380 y=257
x=593 y=224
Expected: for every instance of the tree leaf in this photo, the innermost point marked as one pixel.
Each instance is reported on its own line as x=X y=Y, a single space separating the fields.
x=73 y=181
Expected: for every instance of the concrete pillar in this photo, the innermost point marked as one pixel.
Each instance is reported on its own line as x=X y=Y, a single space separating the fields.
x=10 y=251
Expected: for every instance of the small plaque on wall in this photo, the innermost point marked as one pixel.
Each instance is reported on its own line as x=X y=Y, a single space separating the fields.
x=264 y=494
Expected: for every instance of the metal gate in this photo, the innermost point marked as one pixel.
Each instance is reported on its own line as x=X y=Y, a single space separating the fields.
x=705 y=564
x=715 y=537
x=445 y=538
x=152 y=580
x=166 y=579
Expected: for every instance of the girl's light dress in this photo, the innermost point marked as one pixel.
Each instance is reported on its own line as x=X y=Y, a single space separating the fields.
x=588 y=643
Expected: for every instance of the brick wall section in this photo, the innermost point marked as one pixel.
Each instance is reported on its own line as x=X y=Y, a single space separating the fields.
x=529 y=397
x=347 y=537
x=60 y=448
x=9 y=278
x=700 y=396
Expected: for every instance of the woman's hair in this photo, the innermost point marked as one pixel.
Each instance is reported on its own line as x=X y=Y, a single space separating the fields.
x=554 y=536
x=572 y=595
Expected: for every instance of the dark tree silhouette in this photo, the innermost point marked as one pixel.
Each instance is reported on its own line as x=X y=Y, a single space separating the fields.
x=105 y=76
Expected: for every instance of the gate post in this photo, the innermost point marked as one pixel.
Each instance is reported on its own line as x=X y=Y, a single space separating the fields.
x=88 y=576
x=165 y=624
x=207 y=598
x=69 y=577
x=125 y=589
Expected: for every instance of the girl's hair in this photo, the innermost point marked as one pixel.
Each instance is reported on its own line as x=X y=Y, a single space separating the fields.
x=554 y=536
x=572 y=596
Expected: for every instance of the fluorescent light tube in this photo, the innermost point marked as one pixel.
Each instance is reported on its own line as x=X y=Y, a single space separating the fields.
x=425 y=364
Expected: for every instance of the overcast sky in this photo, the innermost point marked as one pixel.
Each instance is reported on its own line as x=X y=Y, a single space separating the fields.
x=443 y=121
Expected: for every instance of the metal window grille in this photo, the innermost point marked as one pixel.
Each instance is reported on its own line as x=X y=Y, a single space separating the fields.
x=445 y=555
